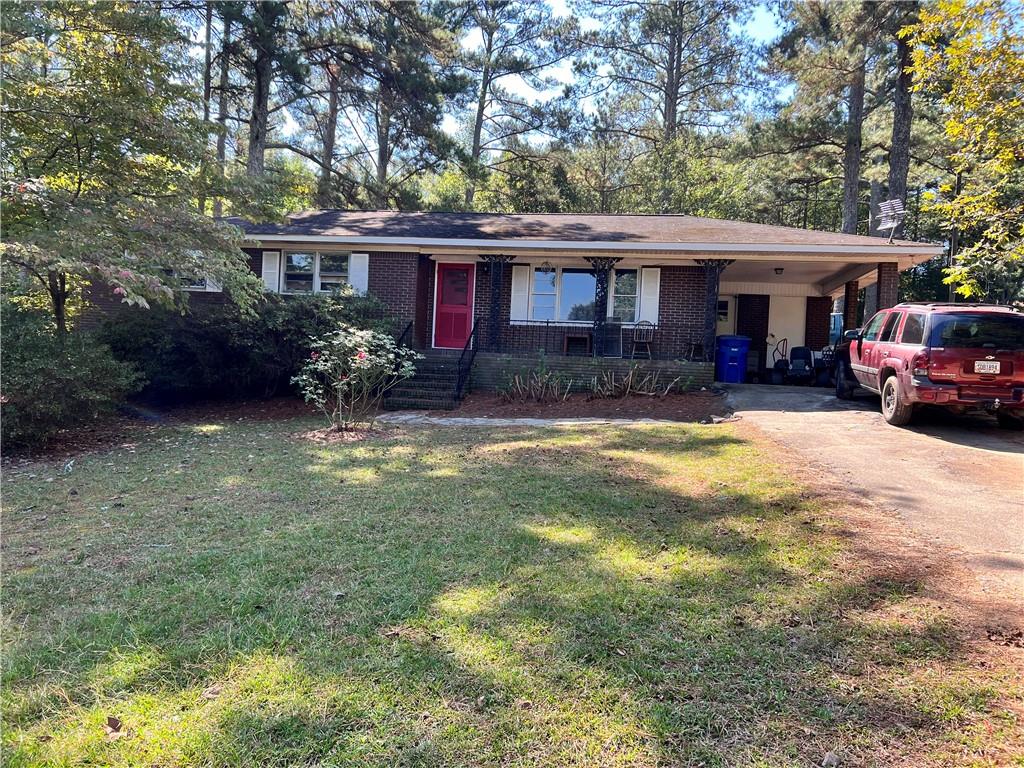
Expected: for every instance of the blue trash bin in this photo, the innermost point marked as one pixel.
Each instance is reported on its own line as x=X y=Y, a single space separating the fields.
x=731 y=359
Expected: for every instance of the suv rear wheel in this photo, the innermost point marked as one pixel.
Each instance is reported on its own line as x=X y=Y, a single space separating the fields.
x=893 y=409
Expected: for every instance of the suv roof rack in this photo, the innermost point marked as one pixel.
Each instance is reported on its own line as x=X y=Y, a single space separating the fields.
x=962 y=305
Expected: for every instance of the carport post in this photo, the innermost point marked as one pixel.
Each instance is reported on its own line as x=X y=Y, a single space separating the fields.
x=888 y=285
x=850 y=305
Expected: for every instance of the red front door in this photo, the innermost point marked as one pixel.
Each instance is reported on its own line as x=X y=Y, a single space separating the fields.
x=453 y=312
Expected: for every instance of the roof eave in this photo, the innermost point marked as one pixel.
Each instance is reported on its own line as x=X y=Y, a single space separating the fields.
x=431 y=245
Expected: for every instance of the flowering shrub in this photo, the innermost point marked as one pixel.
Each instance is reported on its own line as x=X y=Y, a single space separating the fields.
x=349 y=371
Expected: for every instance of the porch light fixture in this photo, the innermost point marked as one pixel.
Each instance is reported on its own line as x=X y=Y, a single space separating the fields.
x=546 y=268
x=779 y=270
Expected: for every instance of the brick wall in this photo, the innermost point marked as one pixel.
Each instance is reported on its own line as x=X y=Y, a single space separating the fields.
x=888 y=286
x=680 y=309
x=752 y=321
x=102 y=303
x=492 y=371
x=393 y=279
x=819 y=311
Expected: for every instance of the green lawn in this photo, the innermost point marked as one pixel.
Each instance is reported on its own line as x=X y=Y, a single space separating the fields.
x=235 y=595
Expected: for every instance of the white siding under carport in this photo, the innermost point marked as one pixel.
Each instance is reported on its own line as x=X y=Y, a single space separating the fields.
x=787 y=319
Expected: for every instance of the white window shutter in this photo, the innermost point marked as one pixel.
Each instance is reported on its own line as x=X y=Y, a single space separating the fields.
x=359 y=271
x=650 y=290
x=272 y=271
x=520 y=309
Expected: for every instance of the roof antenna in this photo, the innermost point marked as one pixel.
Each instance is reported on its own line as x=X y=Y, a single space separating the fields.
x=891 y=214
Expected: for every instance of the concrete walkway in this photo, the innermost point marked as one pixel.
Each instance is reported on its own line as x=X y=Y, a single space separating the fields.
x=958 y=481
x=405 y=417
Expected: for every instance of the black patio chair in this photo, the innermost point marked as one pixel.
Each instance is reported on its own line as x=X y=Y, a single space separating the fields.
x=643 y=335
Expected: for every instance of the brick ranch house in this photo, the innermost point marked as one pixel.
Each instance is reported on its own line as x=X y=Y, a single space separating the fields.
x=506 y=288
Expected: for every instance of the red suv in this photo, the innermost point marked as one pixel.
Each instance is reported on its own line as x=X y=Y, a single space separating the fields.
x=959 y=356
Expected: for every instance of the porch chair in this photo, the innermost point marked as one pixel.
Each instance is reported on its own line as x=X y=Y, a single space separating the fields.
x=801 y=366
x=643 y=335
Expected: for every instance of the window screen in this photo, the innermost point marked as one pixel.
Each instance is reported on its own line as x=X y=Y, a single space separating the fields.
x=542 y=303
x=624 y=305
x=333 y=271
x=298 y=271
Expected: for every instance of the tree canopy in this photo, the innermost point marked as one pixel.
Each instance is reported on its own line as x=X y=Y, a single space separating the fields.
x=129 y=127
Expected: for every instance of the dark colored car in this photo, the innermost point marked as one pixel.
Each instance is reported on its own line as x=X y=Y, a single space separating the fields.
x=958 y=356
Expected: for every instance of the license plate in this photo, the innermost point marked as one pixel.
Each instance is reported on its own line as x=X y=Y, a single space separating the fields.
x=986 y=366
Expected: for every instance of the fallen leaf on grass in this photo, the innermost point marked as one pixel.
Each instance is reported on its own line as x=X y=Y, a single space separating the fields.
x=114 y=728
x=211 y=692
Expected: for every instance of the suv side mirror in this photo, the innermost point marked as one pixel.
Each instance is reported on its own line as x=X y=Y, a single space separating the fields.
x=852 y=335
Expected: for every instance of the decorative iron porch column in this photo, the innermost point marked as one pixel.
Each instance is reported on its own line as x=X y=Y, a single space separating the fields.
x=713 y=269
x=601 y=267
x=496 y=264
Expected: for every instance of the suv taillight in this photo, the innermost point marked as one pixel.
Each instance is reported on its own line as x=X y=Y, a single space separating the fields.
x=919 y=365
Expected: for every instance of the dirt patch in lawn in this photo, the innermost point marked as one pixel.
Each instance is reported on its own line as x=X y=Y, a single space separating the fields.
x=687 y=406
x=331 y=436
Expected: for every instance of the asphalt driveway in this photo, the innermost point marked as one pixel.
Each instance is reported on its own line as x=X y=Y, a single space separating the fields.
x=957 y=481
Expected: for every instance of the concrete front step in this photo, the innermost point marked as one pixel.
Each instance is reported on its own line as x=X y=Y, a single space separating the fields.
x=433 y=376
x=427 y=393
x=437 y=369
x=418 y=404
x=444 y=388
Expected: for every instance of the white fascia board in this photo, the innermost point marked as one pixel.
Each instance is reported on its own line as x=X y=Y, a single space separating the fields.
x=507 y=246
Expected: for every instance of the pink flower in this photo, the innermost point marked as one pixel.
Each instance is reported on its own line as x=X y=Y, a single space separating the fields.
x=124 y=273
x=120 y=291
x=361 y=355
x=314 y=355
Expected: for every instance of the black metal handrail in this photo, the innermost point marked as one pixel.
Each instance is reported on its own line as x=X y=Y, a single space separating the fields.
x=401 y=340
x=465 y=362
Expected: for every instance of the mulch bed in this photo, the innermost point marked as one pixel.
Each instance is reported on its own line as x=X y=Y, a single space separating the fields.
x=686 y=406
x=135 y=421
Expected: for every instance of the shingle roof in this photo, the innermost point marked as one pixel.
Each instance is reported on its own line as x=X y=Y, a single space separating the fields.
x=575 y=227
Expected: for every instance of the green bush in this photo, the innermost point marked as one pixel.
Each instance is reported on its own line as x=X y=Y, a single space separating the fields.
x=49 y=385
x=218 y=352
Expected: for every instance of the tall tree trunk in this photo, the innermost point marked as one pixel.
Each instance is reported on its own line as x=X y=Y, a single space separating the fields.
x=222 y=111
x=324 y=195
x=207 y=93
x=57 y=287
x=380 y=195
x=902 y=117
x=478 y=121
x=672 y=74
x=263 y=72
x=875 y=201
x=852 y=151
